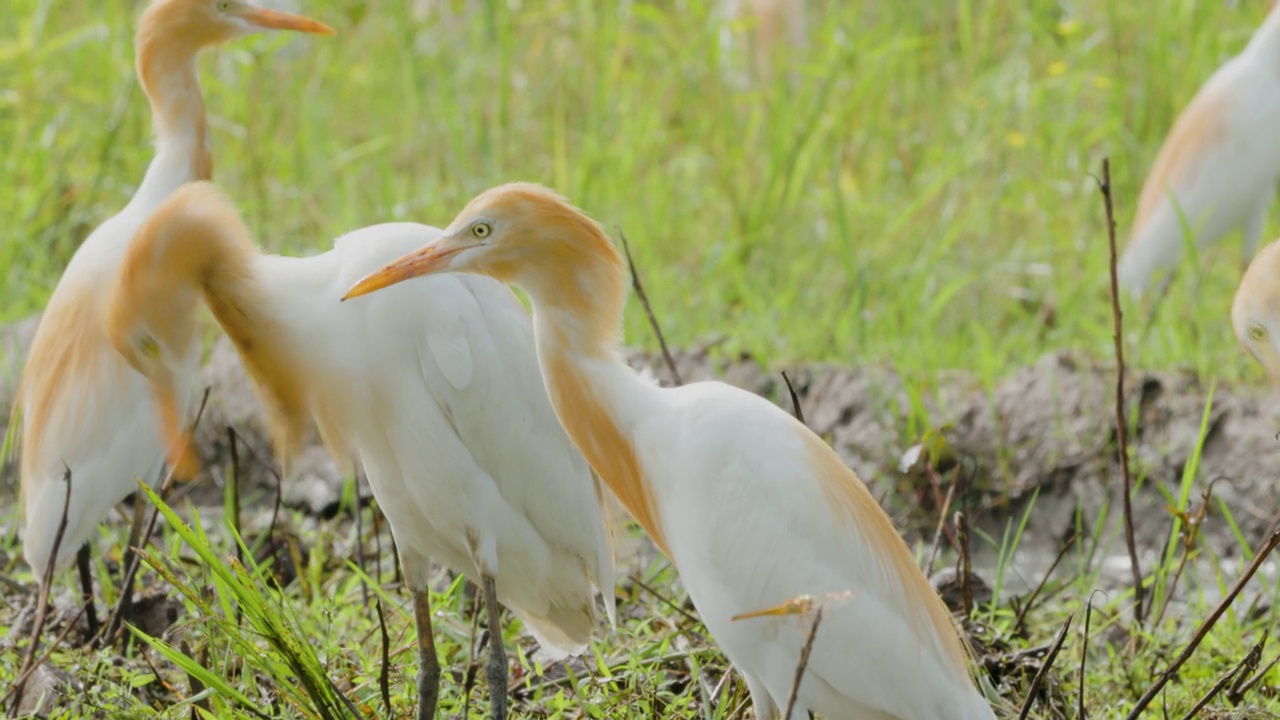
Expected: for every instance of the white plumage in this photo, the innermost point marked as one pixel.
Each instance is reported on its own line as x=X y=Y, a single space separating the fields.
x=82 y=407
x=433 y=389
x=752 y=508
x=1218 y=168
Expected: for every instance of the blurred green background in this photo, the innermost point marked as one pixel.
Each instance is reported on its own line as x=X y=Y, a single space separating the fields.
x=913 y=187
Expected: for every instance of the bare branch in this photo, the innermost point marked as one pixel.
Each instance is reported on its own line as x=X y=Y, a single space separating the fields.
x=1122 y=427
x=795 y=399
x=1044 y=668
x=804 y=662
x=644 y=300
x=1031 y=599
x=29 y=663
x=1239 y=672
x=1205 y=626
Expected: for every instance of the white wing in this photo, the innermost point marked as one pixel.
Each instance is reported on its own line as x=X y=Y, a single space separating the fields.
x=751 y=527
x=96 y=416
x=436 y=384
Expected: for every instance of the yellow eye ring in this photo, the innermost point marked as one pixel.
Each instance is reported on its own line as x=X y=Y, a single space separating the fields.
x=148 y=346
x=1257 y=332
x=481 y=230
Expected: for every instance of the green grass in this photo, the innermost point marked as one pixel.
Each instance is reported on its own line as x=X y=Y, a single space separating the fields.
x=919 y=196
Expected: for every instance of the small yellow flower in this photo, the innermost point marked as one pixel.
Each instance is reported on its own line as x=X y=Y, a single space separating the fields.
x=1067 y=28
x=1057 y=68
x=1015 y=139
x=1102 y=82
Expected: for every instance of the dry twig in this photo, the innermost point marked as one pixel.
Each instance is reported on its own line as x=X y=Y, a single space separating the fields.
x=1122 y=427
x=644 y=301
x=42 y=598
x=1191 y=522
x=795 y=399
x=1205 y=626
x=1084 y=654
x=1031 y=599
x=962 y=537
x=1044 y=668
x=1237 y=696
x=1239 y=672
x=804 y=663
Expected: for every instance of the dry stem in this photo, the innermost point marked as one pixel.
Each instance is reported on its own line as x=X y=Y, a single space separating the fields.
x=1122 y=428
x=1205 y=626
x=644 y=300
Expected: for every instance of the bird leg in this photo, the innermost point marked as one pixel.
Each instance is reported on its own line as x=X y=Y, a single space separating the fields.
x=496 y=671
x=428 y=663
x=86 y=589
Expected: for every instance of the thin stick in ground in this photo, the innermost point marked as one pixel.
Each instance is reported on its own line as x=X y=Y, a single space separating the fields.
x=644 y=301
x=1122 y=427
x=57 y=642
x=1237 y=673
x=1031 y=599
x=795 y=399
x=253 y=455
x=804 y=663
x=942 y=521
x=1044 y=668
x=1205 y=626
x=42 y=598
x=1237 y=696
x=1084 y=655
x=962 y=537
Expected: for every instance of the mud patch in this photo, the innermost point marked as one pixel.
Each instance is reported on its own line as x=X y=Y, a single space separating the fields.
x=1045 y=432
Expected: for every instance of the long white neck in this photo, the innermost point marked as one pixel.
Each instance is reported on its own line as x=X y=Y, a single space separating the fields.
x=598 y=399
x=169 y=74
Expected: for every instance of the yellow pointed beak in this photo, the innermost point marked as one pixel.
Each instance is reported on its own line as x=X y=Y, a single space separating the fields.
x=433 y=257
x=181 y=447
x=277 y=20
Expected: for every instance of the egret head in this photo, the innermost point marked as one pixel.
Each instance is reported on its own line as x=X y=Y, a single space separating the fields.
x=1255 y=313
x=205 y=23
x=518 y=233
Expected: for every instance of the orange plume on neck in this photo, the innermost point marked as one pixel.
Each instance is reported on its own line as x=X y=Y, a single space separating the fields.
x=195 y=246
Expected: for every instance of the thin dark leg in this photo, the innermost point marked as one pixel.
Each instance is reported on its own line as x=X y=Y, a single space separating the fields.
x=496 y=672
x=86 y=589
x=428 y=663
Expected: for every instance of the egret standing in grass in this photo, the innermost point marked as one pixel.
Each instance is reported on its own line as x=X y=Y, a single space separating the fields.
x=434 y=389
x=752 y=508
x=1217 y=170
x=82 y=408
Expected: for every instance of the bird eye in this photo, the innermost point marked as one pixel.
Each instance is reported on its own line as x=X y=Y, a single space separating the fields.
x=148 y=345
x=481 y=230
x=1257 y=332
x=224 y=5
